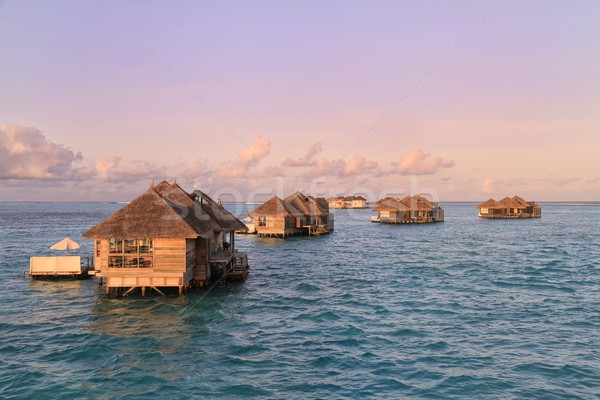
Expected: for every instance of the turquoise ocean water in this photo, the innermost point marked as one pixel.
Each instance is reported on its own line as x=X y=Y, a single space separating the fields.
x=462 y=309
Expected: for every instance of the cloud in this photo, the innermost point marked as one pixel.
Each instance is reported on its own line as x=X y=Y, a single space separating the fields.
x=110 y=169
x=419 y=163
x=487 y=186
x=307 y=160
x=249 y=158
x=199 y=169
x=357 y=165
x=100 y=170
x=26 y=154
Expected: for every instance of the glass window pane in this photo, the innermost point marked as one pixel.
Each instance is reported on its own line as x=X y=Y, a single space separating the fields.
x=145 y=262
x=130 y=246
x=115 y=262
x=145 y=246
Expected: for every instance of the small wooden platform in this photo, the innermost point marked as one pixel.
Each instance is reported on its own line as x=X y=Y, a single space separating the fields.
x=66 y=266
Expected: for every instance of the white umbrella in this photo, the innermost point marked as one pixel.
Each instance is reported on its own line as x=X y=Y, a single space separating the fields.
x=66 y=244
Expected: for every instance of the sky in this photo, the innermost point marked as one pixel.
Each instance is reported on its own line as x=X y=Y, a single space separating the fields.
x=461 y=100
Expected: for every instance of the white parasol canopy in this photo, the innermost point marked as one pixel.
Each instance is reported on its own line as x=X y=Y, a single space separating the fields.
x=66 y=244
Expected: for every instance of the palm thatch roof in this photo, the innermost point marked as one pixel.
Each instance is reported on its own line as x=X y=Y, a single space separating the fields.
x=173 y=213
x=296 y=204
x=390 y=204
x=162 y=185
x=408 y=203
x=490 y=203
x=507 y=202
x=274 y=206
x=519 y=200
x=226 y=220
x=304 y=205
x=418 y=203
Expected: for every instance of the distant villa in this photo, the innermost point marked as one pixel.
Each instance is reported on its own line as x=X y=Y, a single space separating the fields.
x=341 y=202
x=297 y=214
x=515 y=207
x=409 y=210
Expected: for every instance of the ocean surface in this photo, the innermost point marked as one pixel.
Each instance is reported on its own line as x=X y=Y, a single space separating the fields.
x=468 y=308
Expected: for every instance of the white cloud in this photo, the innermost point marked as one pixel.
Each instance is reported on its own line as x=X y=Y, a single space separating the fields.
x=357 y=165
x=419 y=163
x=249 y=158
x=307 y=160
x=487 y=186
x=27 y=154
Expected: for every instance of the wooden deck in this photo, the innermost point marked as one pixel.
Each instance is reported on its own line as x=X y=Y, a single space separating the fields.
x=508 y=216
x=404 y=221
x=221 y=257
x=65 y=266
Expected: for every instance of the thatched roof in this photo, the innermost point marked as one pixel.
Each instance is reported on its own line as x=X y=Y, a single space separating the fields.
x=296 y=204
x=418 y=203
x=305 y=205
x=520 y=201
x=390 y=204
x=162 y=185
x=507 y=202
x=274 y=206
x=490 y=203
x=226 y=220
x=173 y=213
x=408 y=203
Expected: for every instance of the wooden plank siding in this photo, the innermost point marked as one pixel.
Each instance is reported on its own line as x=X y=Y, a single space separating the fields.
x=101 y=261
x=169 y=255
x=201 y=270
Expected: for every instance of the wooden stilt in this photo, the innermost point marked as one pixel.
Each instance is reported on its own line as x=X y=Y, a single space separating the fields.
x=143 y=291
x=107 y=291
x=129 y=291
x=155 y=288
x=180 y=290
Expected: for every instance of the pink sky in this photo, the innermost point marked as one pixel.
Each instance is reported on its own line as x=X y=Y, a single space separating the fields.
x=465 y=100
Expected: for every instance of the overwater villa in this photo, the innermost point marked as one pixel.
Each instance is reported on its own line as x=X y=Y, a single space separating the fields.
x=167 y=238
x=296 y=215
x=353 y=202
x=509 y=207
x=409 y=210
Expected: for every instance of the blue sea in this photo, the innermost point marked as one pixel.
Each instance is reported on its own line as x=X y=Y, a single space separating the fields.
x=468 y=308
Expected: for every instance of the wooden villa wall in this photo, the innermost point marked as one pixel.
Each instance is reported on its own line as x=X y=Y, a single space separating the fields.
x=169 y=255
x=169 y=266
x=280 y=225
x=216 y=243
x=201 y=269
x=101 y=262
x=190 y=257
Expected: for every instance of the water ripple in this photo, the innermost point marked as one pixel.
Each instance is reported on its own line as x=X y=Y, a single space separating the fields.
x=463 y=309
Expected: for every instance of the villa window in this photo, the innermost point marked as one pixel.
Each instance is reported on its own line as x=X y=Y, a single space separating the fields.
x=262 y=221
x=130 y=253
